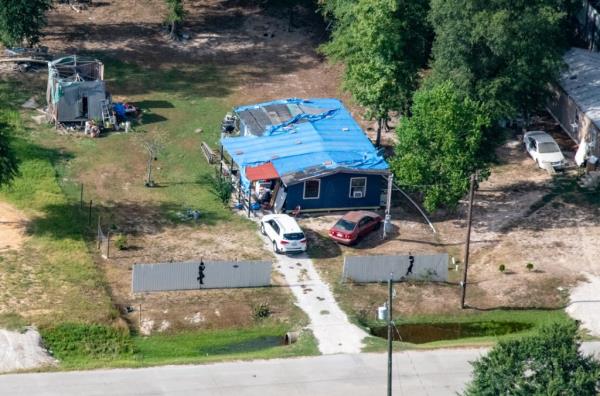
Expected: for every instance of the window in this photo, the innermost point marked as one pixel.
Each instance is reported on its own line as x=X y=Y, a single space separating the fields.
x=364 y=221
x=275 y=226
x=294 y=236
x=312 y=189
x=358 y=187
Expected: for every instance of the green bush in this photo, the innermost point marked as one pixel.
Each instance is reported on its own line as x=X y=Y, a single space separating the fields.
x=502 y=268
x=121 y=242
x=529 y=266
x=261 y=311
x=220 y=187
x=73 y=340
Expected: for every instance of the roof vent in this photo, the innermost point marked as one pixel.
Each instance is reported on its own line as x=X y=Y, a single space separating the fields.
x=345 y=129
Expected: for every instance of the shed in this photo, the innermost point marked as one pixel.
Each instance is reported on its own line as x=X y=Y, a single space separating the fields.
x=76 y=90
x=314 y=153
x=575 y=101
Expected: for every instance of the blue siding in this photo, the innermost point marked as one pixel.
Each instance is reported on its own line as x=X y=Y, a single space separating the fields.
x=335 y=193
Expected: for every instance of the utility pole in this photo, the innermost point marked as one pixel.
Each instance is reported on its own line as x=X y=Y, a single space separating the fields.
x=467 y=242
x=390 y=336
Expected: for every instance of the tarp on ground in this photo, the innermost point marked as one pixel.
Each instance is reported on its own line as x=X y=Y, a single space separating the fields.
x=321 y=135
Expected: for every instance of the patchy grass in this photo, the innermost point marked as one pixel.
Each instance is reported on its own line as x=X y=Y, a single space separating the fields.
x=89 y=347
x=531 y=320
x=12 y=321
x=52 y=278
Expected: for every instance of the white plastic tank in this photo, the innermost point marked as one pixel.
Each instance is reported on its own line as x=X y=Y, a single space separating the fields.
x=382 y=312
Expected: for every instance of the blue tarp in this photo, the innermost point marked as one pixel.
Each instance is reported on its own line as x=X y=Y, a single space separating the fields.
x=327 y=138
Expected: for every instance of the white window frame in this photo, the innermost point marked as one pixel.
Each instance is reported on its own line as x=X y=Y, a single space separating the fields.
x=350 y=187
x=318 y=191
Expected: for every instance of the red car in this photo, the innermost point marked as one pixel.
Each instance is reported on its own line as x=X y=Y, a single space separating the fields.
x=354 y=225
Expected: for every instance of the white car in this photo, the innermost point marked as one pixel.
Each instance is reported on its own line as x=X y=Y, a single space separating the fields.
x=544 y=150
x=284 y=233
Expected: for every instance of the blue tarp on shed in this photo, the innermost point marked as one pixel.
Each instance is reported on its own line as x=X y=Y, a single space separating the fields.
x=326 y=138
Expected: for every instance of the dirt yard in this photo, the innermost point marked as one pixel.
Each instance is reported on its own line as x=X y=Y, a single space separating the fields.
x=212 y=309
x=261 y=54
x=521 y=215
x=13 y=224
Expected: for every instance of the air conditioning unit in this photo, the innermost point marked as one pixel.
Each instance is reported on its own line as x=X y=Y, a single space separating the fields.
x=357 y=194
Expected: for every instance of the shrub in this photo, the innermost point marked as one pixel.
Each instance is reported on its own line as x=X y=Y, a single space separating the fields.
x=220 y=187
x=502 y=268
x=261 y=311
x=549 y=362
x=121 y=242
x=73 y=340
x=529 y=266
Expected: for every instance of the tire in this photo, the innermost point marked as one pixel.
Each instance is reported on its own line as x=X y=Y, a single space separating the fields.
x=262 y=229
x=377 y=226
x=275 y=249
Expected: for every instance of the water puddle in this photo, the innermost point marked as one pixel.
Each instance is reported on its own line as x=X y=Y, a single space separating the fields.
x=254 y=344
x=423 y=333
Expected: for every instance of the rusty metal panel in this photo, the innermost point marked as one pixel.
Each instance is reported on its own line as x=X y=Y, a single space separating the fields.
x=194 y=275
x=363 y=269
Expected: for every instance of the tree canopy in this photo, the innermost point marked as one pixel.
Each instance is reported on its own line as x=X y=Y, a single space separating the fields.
x=439 y=147
x=549 y=363
x=503 y=53
x=21 y=21
x=383 y=44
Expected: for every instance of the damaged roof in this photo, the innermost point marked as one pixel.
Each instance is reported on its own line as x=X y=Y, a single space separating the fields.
x=581 y=81
x=321 y=137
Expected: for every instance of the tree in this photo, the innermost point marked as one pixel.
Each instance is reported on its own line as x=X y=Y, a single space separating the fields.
x=503 y=53
x=175 y=15
x=383 y=44
x=439 y=146
x=21 y=21
x=8 y=160
x=548 y=363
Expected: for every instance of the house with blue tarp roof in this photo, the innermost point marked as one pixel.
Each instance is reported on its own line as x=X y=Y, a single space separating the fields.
x=304 y=153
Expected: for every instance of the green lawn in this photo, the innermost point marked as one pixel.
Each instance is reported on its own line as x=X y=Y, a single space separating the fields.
x=84 y=347
x=531 y=320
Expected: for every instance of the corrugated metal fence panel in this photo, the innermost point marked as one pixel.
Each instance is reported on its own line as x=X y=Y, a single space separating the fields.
x=184 y=275
x=432 y=267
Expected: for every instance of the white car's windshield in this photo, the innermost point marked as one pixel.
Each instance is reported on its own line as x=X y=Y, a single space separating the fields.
x=548 y=147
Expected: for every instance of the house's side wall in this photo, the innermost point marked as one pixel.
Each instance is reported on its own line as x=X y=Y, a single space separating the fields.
x=68 y=105
x=565 y=111
x=573 y=121
x=335 y=193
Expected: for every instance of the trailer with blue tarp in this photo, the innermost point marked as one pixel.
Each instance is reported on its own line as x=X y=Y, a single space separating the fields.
x=307 y=154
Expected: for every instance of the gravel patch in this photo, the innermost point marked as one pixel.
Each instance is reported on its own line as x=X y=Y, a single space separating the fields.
x=20 y=351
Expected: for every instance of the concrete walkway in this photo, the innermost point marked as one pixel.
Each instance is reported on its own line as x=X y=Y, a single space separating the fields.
x=329 y=323
x=584 y=304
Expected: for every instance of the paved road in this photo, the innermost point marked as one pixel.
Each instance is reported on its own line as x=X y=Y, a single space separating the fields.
x=439 y=372
x=431 y=373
